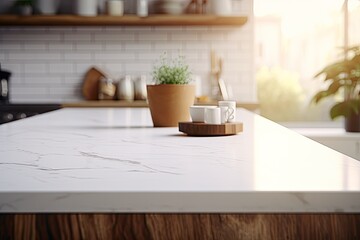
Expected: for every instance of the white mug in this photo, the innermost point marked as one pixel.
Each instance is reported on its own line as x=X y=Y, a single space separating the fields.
x=198 y=113
x=212 y=115
x=228 y=112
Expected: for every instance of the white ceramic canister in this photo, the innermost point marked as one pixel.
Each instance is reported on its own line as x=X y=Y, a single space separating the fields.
x=115 y=7
x=142 y=8
x=86 y=7
x=140 y=88
x=125 y=89
x=47 y=7
x=220 y=7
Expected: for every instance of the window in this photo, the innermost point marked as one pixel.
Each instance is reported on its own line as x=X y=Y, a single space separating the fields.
x=294 y=40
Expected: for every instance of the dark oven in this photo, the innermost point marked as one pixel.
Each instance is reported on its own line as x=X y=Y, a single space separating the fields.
x=12 y=112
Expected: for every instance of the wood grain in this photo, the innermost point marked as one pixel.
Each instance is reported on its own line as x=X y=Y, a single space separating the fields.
x=203 y=129
x=126 y=20
x=180 y=226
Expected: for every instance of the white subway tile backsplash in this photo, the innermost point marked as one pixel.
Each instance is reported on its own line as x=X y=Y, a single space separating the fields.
x=30 y=36
x=35 y=68
x=129 y=46
x=113 y=46
x=148 y=56
x=164 y=45
x=152 y=36
x=116 y=55
x=12 y=67
x=196 y=45
x=138 y=67
x=77 y=56
x=35 y=46
x=49 y=63
x=89 y=46
x=77 y=36
x=7 y=46
x=3 y=56
x=184 y=36
x=42 y=80
x=114 y=37
x=61 y=68
x=34 y=55
x=30 y=89
x=61 y=46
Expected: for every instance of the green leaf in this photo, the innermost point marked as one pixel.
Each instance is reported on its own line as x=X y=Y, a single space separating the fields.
x=332 y=89
x=345 y=108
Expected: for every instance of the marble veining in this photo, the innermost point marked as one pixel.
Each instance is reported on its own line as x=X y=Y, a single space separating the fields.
x=113 y=160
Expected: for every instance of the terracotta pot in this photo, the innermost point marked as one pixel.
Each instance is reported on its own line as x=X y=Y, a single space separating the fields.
x=352 y=123
x=169 y=103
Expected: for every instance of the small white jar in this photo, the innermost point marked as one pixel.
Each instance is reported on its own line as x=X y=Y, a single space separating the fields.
x=86 y=7
x=115 y=7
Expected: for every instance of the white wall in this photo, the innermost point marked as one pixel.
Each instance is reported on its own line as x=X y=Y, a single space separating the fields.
x=48 y=63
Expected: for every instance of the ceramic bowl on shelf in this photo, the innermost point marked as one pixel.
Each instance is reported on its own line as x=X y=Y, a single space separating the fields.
x=173 y=7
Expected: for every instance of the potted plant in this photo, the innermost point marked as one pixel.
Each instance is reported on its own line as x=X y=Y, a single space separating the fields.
x=24 y=7
x=344 y=77
x=171 y=95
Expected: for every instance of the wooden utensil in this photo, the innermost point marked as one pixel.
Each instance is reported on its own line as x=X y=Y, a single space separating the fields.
x=90 y=88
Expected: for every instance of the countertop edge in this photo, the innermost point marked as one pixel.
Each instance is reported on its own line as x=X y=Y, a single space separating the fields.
x=177 y=202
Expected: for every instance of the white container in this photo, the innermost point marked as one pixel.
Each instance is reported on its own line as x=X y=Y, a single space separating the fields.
x=228 y=111
x=47 y=7
x=212 y=115
x=197 y=113
x=142 y=8
x=86 y=7
x=220 y=7
x=140 y=88
x=125 y=90
x=115 y=7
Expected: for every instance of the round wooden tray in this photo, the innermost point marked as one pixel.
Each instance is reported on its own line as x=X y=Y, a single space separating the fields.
x=203 y=129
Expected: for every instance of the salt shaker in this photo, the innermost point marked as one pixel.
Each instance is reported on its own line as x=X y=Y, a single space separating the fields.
x=126 y=89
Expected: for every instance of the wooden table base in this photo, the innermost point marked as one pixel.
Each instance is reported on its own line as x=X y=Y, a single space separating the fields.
x=180 y=226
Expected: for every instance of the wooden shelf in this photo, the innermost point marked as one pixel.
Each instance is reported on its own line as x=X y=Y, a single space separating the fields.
x=121 y=103
x=126 y=20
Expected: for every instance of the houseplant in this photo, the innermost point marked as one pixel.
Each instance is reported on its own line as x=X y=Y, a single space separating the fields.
x=171 y=95
x=344 y=77
x=24 y=7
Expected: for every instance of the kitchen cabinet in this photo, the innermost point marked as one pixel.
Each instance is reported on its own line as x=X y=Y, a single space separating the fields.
x=126 y=20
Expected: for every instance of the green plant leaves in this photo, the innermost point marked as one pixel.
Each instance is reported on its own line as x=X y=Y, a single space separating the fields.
x=344 y=74
x=345 y=108
x=172 y=72
x=333 y=88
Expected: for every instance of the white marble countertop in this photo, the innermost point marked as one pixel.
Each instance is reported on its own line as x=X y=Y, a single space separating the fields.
x=113 y=160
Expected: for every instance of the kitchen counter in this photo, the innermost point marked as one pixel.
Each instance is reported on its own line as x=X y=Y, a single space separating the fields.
x=113 y=160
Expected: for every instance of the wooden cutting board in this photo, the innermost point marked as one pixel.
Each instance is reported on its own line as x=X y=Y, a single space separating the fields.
x=203 y=129
x=90 y=87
